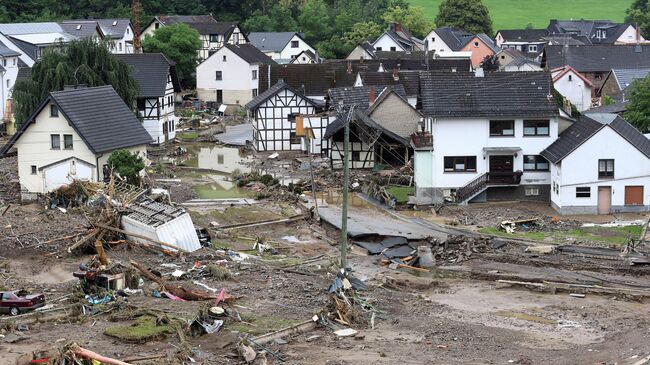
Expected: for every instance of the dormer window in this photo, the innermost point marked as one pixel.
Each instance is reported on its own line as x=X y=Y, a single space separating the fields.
x=532 y=48
x=114 y=22
x=79 y=27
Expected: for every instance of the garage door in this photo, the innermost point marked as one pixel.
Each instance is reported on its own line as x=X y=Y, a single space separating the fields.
x=634 y=195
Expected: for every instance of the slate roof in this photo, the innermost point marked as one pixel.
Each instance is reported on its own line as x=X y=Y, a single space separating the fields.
x=588 y=125
x=24 y=73
x=81 y=28
x=454 y=38
x=114 y=28
x=30 y=28
x=523 y=35
x=617 y=107
x=488 y=42
x=597 y=58
x=279 y=86
x=28 y=49
x=416 y=60
x=360 y=116
x=410 y=80
x=250 y=54
x=107 y=126
x=271 y=41
x=589 y=29
x=494 y=95
x=358 y=95
x=150 y=70
x=625 y=77
x=567 y=40
x=7 y=52
x=402 y=35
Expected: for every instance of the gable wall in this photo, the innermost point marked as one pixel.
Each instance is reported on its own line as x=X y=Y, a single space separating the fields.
x=576 y=90
x=478 y=52
x=436 y=44
x=385 y=42
x=288 y=52
x=397 y=116
x=237 y=82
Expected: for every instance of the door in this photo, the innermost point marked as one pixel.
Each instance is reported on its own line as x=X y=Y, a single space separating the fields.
x=166 y=131
x=501 y=169
x=219 y=96
x=604 y=199
x=634 y=195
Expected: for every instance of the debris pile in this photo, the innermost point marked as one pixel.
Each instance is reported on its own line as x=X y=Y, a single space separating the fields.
x=9 y=182
x=345 y=307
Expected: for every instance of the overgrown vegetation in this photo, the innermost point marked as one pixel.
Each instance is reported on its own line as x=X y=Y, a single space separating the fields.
x=127 y=165
x=401 y=193
x=145 y=329
x=606 y=235
x=638 y=111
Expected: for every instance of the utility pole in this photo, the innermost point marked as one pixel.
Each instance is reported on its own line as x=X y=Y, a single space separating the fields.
x=346 y=183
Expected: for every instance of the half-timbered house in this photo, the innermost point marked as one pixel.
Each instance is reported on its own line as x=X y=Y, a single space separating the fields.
x=158 y=81
x=273 y=115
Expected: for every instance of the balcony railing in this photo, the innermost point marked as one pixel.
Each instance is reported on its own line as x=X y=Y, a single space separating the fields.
x=484 y=181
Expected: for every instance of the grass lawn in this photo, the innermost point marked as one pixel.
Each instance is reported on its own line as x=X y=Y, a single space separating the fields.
x=510 y=14
x=613 y=235
x=188 y=135
x=401 y=193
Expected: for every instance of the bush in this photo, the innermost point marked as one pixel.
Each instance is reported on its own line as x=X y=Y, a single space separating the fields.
x=266 y=179
x=128 y=165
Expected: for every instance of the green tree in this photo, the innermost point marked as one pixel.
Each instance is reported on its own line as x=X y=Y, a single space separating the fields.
x=471 y=15
x=366 y=31
x=127 y=165
x=315 y=21
x=639 y=13
x=412 y=18
x=638 y=110
x=180 y=43
x=278 y=19
x=79 y=62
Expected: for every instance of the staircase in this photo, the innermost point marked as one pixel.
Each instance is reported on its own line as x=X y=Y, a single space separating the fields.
x=483 y=182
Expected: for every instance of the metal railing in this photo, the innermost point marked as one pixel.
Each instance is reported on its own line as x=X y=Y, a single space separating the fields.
x=487 y=179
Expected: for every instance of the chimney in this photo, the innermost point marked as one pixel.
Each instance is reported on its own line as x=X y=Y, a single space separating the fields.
x=479 y=72
x=349 y=67
x=372 y=95
x=397 y=27
x=395 y=74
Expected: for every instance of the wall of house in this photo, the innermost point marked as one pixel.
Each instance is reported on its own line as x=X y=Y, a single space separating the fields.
x=359 y=53
x=150 y=29
x=123 y=45
x=361 y=155
x=289 y=52
x=610 y=88
x=580 y=169
x=436 y=44
x=596 y=78
x=397 y=116
x=479 y=52
x=23 y=56
x=385 y=42
x=574 y=88
x=65 y=172
x=523 y=67
x=159 y=115
x=629 y=36
x=237 y=83
x=468 y=137
x=7 y=82
x=318 y=124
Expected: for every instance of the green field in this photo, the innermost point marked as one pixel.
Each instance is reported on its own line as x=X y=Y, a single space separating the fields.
x=511 y=14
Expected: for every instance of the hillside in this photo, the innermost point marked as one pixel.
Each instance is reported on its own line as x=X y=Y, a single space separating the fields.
x=518 y=13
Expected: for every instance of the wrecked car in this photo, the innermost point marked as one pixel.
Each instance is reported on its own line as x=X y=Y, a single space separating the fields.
x=20 y=301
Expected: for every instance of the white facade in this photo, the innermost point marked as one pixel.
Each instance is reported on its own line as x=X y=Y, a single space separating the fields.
x=318 y=124
x=123 y=45
x=158 y=116
x=359 y=53
x=580 y=169
x=630 y=36
x=387 y=43
x=213 y=42
x=237 y=83
x=291 y=50
x=577 y=89
x=436 y=44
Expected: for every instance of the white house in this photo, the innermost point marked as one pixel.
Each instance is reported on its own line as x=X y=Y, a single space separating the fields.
x=363 y=51
x=447 y=39
x=598 y=31
x=572 y=85
x=306 y=57
x=117 y=33
x=71 y=135
x=8 y=74
x=30 y=39
x=398 y=38
x=282 y=47
x=231 y=74
x=600 y=165
x=273 y=114
x=213 y=34
x=485 y=133
x=158 y=81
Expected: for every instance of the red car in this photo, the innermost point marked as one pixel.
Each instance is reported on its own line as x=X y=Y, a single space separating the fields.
x=19 y=301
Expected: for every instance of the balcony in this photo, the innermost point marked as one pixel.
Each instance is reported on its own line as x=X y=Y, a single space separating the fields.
x=422 y=141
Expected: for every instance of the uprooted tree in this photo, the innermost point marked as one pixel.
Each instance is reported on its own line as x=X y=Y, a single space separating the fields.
x=127 y=165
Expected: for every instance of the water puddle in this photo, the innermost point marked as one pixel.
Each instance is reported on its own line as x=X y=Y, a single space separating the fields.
x=218 y=158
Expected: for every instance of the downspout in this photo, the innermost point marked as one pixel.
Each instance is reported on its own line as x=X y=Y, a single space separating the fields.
x=97 y=157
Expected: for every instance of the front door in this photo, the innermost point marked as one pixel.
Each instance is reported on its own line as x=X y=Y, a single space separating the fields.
x=166 y=131
x=219 y=96
x=501 y=169
x=604 y=199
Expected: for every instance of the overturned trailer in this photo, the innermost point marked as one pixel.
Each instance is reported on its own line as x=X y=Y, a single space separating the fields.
x=162 y=223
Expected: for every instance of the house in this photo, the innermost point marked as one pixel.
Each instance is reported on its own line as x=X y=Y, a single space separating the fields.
x=117 y=33
x=597 y=31
x=511 y=60
x=530 y=42
x=484 y=133
x=398 y=38
x=158 y=81
x=600 y=165
x=274 y=114
x=574 y=87
x=282 y=47
x=231 y=74
x=363 y=51
x=409 y=80
x=213 y=34
x=481 y=47
x=64 y=139
x=618 y=80
x=83 y=29
x=31 y=39
x=307 y=56
x=9 y=67
x=595 y=61
x=447 y=39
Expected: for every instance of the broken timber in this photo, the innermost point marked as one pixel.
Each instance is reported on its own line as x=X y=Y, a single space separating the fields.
x=297 y=328
x=554 y=287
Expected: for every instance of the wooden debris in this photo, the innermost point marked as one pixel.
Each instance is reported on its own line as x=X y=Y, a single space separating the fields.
x=297 y=328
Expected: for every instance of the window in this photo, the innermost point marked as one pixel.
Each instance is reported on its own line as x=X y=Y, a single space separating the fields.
x=127 y=31
x=532 y=48
x=536 y=127
x=531 y=191
x=356 y=156
x=254 y=92
x=535 y=163
x=224 y=58
x=54 y=111
x=583 y=192
x=14 y=62
x=293 y=139
x=156 y=26
x=235 y=38
x=605 y=169
x=294 y=56
x=55 y=141
x=140 y=103
x=393 y=49
x=218 y=75
x=8 y=84
x=214 y=38
x=4 y=62
x=460 y=163
x=33 y=169
x=294 y=44
x=220 y=159
x=254 y=74
x=120 y=46
x=598 y=75
x=433 y=39
x=475 y=44
x=502 y=128
x=378 y=49
x=292 y=117
x=67 y=141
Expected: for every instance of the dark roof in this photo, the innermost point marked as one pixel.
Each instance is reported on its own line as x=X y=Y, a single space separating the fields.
x=24 y=73
x=361 y=117
x=567 y=40
x=358 y=95
x=523 y=35
x=272 y=41
x=250 y=54
x=448 y=94
x=589 y=29
x=114 y=28
x=416 y=60
x=279 y=86
x=588 y=125
x=597 y=58
x=82 y=28
x=625 y=77
x=454 y=38
x=28 y=49
x=106 y=126
x=402 y=35
x=368 y=47
x=7 y=52
x=151 y=70
x=409 y=79
x=617 y=107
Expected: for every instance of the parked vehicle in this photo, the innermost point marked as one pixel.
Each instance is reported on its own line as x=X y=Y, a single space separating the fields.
x=20 y=301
